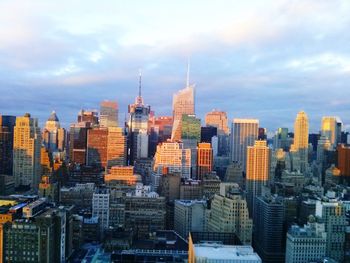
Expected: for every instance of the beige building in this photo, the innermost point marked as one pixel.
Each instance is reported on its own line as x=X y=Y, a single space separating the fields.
x=331 y=128
x=301 y=139
x=217 y=119
x=116 y=147
x=229 y=213
x=26 y=152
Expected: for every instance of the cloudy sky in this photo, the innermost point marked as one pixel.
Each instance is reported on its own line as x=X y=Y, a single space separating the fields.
x=261 y=59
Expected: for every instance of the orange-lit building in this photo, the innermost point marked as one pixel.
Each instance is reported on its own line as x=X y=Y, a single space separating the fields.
x=46 y=167
x=258 y=167
x=97 y=147
x=122 y=174
x=344 y=160
x=204 y=159
x=217 y=119
x=116 y=147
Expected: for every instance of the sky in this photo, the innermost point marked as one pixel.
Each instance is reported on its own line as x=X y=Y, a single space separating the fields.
x=252 y=59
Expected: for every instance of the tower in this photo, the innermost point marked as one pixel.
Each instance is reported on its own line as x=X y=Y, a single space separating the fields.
x=26 y=152
x=301 y=139
x=244 y=133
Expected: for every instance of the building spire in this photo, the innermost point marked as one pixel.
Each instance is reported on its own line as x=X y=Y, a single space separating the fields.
x=188 y=73
x=140 y=75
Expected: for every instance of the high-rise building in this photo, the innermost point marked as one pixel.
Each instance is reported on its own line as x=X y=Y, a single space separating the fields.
x=258 y=169
x=344 y=160
x=229 y=213
x=269 y=238
x=116 y=147
x=307 y=244
x=108 y=114
x=138 y=130
x=190 y=128
x=183 y=103
x=7 y=124
x=207 y=133
x=281 y=139
x=300 y=145
x=97 y=141
x=189 y=215
x=331 y=129
x=53 y=134
x=244 y=133
x=90 y=116
x=26 y=152
x=173 y=156
x=204 y=159
x=332 y=214
x=217 y=119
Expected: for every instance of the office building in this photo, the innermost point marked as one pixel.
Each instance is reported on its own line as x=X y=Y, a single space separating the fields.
x=100 y=206
x=306 y=244
x=189 y=215
x=108 y=114
x=244 y=133
x=26 y=152
x=269 y=238
x=97 y=141
x=116 y=147
x=183 y=103
x=204 y=159
x=7 y=124
x=300 y=145
x=331 y=128
x=207 y=133
x=175 y=157
x=281 y=139
x=332 y=214
x=258 y=169
x=217 y=119
x=229 y=213
x=53 y=134
x=344 y=160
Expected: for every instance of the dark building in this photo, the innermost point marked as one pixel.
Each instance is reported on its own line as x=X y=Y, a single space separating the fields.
x=344 y=137
x=262 y=134
x=207 y=133
x=7 y=124
x=344 y=160
x=313 y=139
x=268 y=237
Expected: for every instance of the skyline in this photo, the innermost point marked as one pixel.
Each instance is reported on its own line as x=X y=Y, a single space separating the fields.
x=266 y=61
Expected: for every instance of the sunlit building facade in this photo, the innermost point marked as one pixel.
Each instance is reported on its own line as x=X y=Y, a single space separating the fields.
x=301 y=139
x=26 y=152
x=204 y=159
x=108 y=114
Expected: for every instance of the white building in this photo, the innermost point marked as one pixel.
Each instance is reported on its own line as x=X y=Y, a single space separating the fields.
x=100 y=206
x=215 y=253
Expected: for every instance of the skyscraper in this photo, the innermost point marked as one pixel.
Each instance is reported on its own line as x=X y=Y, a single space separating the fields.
x=244 y=133
x=258 y=168
x=26 y=152
x=7 y=124
x=116 y=147
x=108 y=114
x=183 y=103
x=301 y=139
x=138 y=128
x=204 y=159
x=331 y=129
x=53 y=134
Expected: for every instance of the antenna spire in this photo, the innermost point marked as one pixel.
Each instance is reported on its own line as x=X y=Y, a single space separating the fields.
x=188 y=73
x=140 y=75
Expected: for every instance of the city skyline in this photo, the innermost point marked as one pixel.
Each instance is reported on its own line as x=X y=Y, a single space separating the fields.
x=253 y=60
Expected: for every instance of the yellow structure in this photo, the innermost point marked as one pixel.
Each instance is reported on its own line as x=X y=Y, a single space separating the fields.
x=258 y=160
x=26 y=152
x=116 y=147
x=301 y=132
x=124 y=174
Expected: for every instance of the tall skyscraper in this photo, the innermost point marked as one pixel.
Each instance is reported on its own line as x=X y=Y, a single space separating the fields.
x=244 y=133
x=116 y=147
x=204 y=159
x=138 y=130
x=183 y=103
x=269 y=238
x=108 y=114
x=53 y=134
x=258 y=168
x=301 y=139
x=97 y=147
x=7 y=124
x=218 y=119
x=26 y=152
x=331 y=129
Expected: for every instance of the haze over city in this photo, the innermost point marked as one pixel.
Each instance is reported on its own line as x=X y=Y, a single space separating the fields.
x=260 y=59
